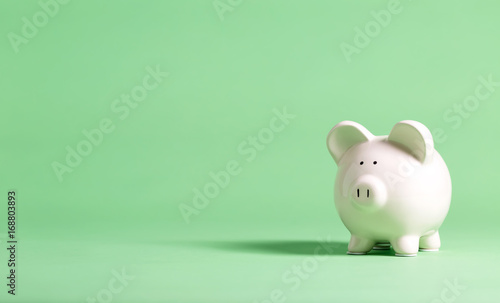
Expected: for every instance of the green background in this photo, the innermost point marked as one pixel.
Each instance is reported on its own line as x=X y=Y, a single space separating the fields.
x=119 y=208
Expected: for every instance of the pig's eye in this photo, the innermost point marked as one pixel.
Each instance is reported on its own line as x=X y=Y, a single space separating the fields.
x=374 y=162
x=361 y=163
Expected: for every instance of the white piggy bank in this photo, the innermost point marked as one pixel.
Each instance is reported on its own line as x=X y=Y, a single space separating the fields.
x=390 y=189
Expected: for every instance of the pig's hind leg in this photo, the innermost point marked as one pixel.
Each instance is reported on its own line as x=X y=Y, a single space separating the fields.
x=382 y=246
x=431 y=242
x=359 y=245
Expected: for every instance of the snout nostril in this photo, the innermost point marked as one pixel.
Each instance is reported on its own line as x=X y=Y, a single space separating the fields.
x=358 y=192
x=368 y=193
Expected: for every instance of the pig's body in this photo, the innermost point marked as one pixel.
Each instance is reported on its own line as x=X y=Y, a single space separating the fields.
x=393 y=188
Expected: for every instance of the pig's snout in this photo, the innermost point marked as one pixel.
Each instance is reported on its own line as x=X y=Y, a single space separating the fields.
x=368 y=192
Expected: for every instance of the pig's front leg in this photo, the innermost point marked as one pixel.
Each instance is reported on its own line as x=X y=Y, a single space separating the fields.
x=359 y=245
x=431 y=242
x=405 y=246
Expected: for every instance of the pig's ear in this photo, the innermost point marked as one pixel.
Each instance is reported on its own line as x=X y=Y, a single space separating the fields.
x=414 y=137
x=345 y=135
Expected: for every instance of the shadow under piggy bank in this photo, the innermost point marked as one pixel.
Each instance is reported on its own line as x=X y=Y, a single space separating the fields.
x=282 y=247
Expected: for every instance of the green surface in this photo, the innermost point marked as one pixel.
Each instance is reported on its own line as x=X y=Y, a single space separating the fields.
x=255 y=240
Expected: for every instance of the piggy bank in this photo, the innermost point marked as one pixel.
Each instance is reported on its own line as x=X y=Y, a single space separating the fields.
x=390 y=190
